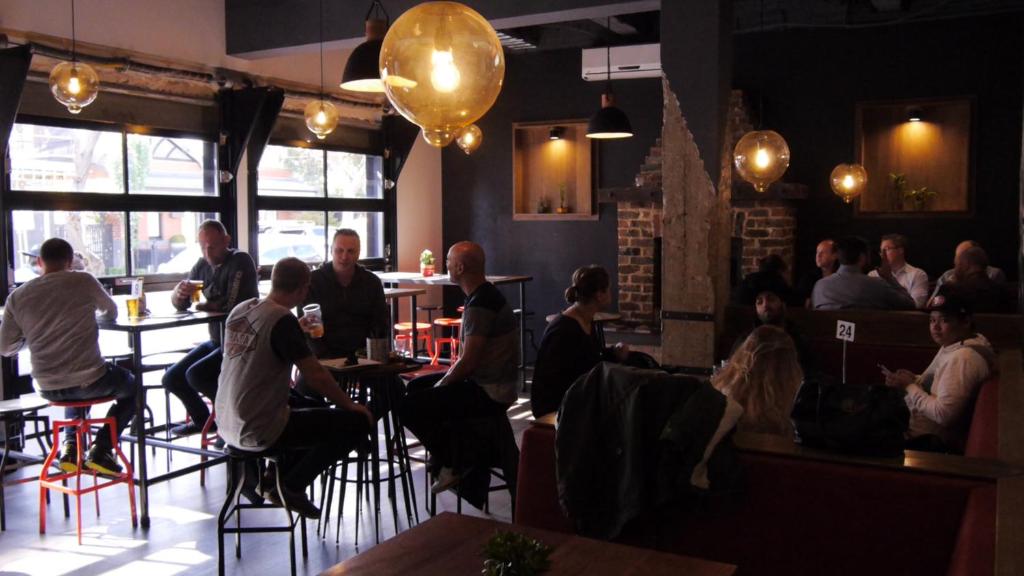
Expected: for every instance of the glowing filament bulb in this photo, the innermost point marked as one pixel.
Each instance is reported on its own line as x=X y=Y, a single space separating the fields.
x=761 y=159
x=848 y=182
x=74 y=86
x=321 y=118
x=444 y=75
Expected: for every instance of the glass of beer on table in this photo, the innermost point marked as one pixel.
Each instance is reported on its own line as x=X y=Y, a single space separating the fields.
x=197 y=290
x=315 y=325
x=133 y=307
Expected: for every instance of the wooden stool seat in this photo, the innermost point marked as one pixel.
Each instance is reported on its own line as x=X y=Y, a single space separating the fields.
x=403 y=334
x=453 y=342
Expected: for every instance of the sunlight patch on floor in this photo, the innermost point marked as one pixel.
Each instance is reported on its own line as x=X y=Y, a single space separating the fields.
x=179 y=515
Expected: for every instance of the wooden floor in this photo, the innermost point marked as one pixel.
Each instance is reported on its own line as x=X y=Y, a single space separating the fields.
x=182 y=538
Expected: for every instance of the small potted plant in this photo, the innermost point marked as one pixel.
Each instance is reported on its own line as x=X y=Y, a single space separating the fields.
x=543 y=205
x=563 y=206
x=427 y=263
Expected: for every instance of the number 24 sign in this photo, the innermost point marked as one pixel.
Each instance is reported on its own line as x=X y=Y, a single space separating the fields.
x=845 y=330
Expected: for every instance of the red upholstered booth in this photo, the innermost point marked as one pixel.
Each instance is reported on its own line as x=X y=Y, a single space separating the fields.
x=802 y=515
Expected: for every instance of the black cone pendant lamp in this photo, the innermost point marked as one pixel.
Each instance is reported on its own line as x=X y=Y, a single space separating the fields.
x=362 y=71
x=609 y=122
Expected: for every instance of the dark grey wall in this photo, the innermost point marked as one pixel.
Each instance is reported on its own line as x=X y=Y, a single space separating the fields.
x=477 y=189
x=813 y=79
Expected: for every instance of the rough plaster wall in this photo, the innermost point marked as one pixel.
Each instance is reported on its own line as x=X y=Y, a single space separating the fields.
x=695 y=242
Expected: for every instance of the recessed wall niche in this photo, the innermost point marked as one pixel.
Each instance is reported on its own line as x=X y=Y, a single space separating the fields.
x=917 y=155
x=553 y=171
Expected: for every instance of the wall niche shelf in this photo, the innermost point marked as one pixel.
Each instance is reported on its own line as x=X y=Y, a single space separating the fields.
x=543 y=166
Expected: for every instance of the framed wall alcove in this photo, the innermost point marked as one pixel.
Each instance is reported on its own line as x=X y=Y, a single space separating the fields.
x=554 y=167
x=932 y=153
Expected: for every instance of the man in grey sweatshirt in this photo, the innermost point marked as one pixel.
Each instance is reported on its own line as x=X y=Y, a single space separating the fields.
x=55 y=316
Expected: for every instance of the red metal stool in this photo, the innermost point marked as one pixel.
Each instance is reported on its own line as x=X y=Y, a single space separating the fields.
x=454 y=324
x=207 y=438
x=403 y=333
x=82 y=433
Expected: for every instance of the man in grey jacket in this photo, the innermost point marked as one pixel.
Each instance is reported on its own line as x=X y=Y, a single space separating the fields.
x=849 y=287
x=55 y=316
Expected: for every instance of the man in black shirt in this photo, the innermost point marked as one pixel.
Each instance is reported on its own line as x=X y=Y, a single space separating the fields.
x=228 y=277
x=351 y=299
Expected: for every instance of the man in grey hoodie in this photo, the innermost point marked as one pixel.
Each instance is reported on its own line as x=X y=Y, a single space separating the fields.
x=54 y=315
x=939 y=398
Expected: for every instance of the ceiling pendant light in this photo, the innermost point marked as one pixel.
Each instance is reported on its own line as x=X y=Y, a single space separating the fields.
x=469 y=138
x=609 y=122
x=761 y=156
x=362 y=71
x=74 y=84
x=321 y=115
x=849 y=181
x=442 y=66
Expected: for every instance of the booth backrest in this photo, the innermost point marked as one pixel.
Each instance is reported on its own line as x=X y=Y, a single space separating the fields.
x=983 y=435
x=802 y=516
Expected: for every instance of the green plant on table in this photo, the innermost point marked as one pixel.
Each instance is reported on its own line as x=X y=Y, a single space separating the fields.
x=427 y=258
x=513 y=554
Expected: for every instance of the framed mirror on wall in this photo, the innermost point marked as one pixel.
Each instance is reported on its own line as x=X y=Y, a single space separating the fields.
x=554 y=167
x=917 y=154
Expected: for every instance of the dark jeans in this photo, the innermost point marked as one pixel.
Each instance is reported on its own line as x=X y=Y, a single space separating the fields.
x=317 y=438
x=117 y=383
x=432 y=412
x=196 y=372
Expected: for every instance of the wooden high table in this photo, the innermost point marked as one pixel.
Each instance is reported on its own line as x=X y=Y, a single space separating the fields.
x=416 y=279
x=163 y=316
x=453 y=544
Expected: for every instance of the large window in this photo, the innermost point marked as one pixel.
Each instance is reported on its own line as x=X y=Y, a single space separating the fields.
x=129 y=204
x=303 y=195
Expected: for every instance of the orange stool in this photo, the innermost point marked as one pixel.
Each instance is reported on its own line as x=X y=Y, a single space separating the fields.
x=454 y=324
x=55 y=482
x=208 y=437
x=403 y=333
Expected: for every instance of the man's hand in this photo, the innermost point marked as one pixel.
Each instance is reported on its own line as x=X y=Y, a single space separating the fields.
x=359 y=408
x=900 y=378
x=183 y=291
x=305 y=322
x=885 y=272
x=620 y=351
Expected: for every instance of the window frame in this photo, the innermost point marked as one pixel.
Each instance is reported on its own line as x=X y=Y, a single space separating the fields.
x=384 y=205
x=126 y=202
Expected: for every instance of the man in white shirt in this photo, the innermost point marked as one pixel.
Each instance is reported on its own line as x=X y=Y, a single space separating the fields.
x=54 y=315
x=894 y=261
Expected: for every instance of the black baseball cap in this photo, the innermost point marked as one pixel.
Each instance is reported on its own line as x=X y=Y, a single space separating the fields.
x=951 y=302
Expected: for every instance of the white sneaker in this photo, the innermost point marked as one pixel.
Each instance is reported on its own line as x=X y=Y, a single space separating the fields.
x=446 y=478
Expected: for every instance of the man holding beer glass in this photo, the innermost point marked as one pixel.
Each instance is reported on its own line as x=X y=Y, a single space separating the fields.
x=225 y=277
x=345 y=304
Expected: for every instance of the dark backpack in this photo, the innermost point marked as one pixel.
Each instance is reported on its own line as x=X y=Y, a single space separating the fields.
x=863 y=420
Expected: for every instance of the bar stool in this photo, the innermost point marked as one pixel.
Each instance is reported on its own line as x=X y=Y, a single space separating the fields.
x=452 y=340
x=82 y=427
x=238 y=464
x=14 y=413
x=208 y=437
x=403 y=333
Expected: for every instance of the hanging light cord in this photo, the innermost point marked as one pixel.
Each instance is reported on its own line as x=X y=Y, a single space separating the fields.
x=608 y=52
x=74 y=57
x=321 y=50
x=760 y=79
x=377 y=7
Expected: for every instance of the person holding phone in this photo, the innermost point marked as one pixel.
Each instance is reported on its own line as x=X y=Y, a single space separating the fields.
x=939 y=398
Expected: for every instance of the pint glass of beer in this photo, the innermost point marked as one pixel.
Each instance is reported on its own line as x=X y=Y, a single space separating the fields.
x=316 y=320
x=197 y=290
x=133 y=307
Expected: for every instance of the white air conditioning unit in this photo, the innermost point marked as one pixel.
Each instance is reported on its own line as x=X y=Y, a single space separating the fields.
x=638 y=61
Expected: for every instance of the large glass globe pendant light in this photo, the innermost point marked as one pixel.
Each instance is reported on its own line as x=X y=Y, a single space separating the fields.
x=321 y=116
x=761 y=157
x=442 y=66
x=849 y=181
x=74 y=84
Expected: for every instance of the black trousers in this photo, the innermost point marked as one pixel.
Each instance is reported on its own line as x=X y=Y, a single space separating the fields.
x=433 y=412
x=317 y=438
x=116 y=382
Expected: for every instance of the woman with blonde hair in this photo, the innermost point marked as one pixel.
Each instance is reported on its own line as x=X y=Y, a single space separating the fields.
x=763 y=376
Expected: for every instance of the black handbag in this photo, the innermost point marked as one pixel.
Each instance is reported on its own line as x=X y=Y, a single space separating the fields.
x=863 y=420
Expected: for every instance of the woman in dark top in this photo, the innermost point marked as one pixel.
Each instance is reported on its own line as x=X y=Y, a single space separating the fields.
x=571 y=346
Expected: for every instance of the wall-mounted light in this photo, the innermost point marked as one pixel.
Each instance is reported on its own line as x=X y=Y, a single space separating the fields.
x=915 y=114
x=556 y=133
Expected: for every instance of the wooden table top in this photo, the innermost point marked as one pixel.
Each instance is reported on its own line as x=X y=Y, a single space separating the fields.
x=390 y=293
x=443 y=279
x=452 y=544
